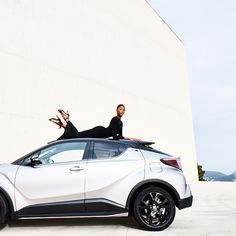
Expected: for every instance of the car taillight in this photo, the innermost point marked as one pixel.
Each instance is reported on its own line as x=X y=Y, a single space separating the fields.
x=172 y=161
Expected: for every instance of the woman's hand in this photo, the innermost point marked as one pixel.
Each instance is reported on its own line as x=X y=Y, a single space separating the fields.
x=133 y=139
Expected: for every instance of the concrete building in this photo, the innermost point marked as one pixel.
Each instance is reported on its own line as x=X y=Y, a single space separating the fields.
x=87 y=56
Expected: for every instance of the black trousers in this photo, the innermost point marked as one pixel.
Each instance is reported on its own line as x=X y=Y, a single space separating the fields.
x=70 y=132
x=96 y=132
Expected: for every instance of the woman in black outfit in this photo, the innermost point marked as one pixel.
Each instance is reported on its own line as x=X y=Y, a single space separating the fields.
x=113 y=130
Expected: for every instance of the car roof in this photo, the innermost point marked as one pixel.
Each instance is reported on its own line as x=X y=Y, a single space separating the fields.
x=122 y=141
x=145 y=145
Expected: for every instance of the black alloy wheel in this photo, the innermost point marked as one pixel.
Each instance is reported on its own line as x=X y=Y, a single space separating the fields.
x=154 y=208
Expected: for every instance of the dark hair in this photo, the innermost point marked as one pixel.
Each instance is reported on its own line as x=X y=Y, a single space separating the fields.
x=120 y=105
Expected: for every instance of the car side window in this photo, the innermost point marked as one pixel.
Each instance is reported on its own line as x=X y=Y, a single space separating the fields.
x=59 y=153
x=105 y=150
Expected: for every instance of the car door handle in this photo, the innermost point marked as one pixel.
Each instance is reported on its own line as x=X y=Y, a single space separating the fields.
x=76 y=168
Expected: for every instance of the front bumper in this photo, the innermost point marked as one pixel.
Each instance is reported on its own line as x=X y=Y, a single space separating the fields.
x=185 y=202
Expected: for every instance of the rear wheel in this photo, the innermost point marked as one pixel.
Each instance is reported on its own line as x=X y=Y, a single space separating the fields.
x=154 y=208
x=3 y=210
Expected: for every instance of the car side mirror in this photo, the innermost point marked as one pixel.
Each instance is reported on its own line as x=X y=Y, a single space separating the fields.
x=34 y=160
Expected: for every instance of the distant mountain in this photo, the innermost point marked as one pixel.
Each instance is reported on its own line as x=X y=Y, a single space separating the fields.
x=218 y=176
x=233 y=176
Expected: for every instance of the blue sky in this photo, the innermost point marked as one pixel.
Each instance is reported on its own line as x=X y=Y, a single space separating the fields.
x=208 y=30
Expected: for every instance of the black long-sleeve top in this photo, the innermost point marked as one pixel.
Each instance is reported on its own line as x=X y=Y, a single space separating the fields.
x=115 y=128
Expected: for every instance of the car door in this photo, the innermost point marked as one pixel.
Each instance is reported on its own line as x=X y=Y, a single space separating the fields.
x=56 y=186
x=111 y=173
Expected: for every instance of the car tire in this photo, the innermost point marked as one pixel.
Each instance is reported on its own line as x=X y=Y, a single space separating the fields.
x=3 y=211
x=154 y=208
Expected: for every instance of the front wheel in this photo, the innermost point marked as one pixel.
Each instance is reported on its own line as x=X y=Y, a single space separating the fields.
x=154 y=208
x=3 y=210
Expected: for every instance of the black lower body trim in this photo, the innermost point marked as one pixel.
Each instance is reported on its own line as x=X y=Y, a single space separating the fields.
x=186 y=202
x=57 y=208
x=103 y=205
x=88 y=207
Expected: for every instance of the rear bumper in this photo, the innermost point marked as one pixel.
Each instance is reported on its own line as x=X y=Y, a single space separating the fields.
x=185 y=202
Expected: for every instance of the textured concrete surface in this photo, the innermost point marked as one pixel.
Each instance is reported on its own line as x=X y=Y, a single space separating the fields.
x=87 y=56
x=212 y=214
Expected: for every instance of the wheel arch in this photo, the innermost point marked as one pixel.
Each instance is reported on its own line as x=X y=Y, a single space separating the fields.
x=151 y=182
x=8 y=201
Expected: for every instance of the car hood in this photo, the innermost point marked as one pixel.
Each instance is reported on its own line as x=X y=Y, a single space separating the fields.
x=8 y=171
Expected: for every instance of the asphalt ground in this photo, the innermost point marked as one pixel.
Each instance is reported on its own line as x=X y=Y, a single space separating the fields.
x=213 y=214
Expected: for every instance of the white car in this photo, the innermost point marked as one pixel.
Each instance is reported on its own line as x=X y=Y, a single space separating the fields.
x=94 y=177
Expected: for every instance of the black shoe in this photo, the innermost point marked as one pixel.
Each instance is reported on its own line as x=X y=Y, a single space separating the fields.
x=57 y=121
x=65 y=115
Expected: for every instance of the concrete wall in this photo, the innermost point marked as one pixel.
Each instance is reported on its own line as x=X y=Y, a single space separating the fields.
x=87 y=56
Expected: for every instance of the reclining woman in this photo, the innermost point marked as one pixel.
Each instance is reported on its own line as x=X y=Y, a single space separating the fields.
x=113 y=130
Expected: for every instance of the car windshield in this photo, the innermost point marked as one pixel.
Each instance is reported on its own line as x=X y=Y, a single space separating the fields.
x=64 y=152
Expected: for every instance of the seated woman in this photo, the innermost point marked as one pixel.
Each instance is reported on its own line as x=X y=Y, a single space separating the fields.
x=113 y=130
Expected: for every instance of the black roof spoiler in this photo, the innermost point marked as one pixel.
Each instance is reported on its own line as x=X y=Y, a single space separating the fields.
x=136 y=143
x=146 y=143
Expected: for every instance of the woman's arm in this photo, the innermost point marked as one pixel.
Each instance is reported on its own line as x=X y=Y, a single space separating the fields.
x=133 y=139
x=116 y=130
